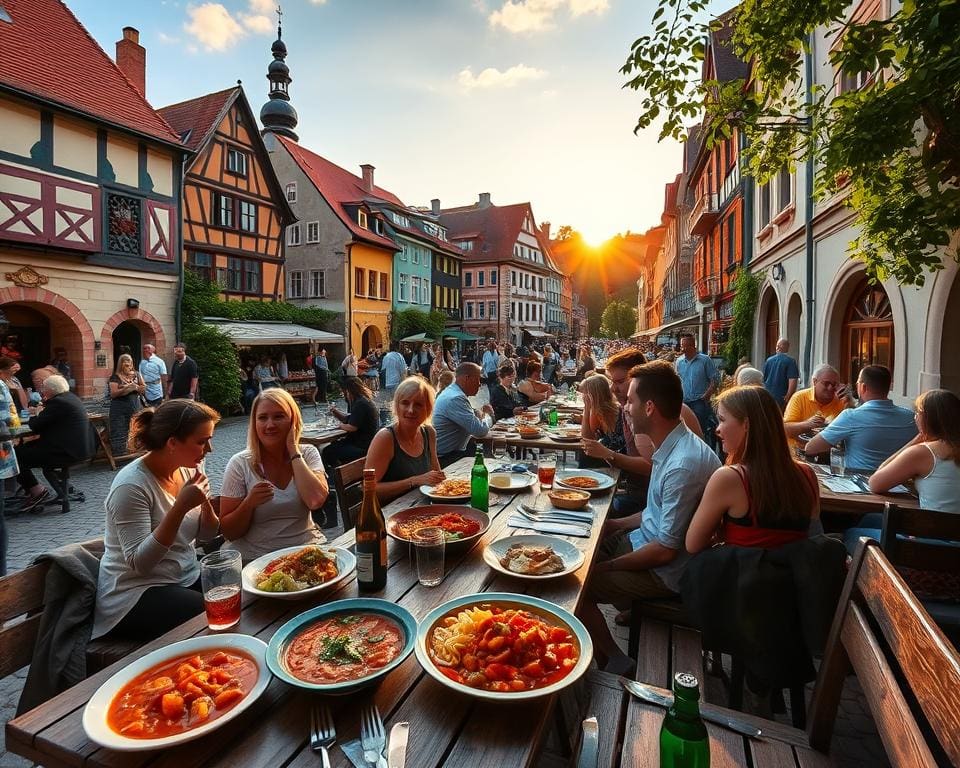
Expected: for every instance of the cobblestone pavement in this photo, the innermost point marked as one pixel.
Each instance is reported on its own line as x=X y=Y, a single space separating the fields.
x=855 y=742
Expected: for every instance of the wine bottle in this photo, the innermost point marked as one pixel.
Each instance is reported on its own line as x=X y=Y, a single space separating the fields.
x=371 y=537
x=479 y=483
x=683 y=736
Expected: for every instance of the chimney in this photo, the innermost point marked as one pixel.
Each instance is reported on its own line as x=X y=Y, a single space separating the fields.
x=435 y=206
x=484 y=200
x=367 y=170
x=545 y=230
x=132 y=59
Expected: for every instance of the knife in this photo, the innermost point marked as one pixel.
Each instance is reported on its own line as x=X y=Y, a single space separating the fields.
x=712 y=714
x=516 y=521
x=583 y=516
x=590 y=748
x=397 y=746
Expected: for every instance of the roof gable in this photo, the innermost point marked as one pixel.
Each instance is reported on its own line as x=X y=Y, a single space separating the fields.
x=46 y=53
x=496 y=227
x=195 y=120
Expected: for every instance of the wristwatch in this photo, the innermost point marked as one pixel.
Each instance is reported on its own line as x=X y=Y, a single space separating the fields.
x=295 y=456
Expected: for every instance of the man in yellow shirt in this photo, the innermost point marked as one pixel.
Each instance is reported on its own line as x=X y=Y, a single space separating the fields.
x=815 y=407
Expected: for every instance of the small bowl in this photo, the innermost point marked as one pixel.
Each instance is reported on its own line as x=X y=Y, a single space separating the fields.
x=530 y=434
x=581 y=501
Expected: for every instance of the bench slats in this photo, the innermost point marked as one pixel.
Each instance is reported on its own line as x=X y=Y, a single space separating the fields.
x=22 y=592
x=902 y=739
x=771 y=754
x=16 y=644
x=607 y=703
x=653 y=659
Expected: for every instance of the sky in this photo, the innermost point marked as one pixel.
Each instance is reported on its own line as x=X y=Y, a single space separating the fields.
x=446 y=98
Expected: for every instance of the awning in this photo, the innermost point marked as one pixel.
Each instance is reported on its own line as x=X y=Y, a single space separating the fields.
x=266 y=333
x=652 y=332
x=419 y=337
x=538 y=334
x=461 y=335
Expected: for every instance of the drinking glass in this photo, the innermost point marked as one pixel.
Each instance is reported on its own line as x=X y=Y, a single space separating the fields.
x=546 y=469
x=837 y=462
x=220 y=580
x=500 y=451
x=429 y=544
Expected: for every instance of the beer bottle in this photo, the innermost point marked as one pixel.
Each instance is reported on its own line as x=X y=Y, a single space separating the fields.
x=479 y=483
x=554 y=417
x=683 y=736
x=371 y=537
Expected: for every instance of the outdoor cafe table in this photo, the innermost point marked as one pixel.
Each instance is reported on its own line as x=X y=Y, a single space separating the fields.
x=446 y=729
x=855 y=505
x=319 y=437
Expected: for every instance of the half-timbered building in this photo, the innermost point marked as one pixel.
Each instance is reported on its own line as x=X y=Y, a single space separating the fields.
x=234 y=209
x=89 y=197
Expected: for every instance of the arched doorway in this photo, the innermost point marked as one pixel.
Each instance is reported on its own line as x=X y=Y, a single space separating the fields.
x=370 y=339
x=28 y=339
x=127 y=338
x=867 y=331
x=949 y=359
x=772 y=326
x=794 y=315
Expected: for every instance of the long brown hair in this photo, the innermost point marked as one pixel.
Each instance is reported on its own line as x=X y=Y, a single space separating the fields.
x=598 y=387
x=940 y=409
x=781 y=493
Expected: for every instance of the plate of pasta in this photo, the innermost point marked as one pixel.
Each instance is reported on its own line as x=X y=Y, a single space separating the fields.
x=294 y=573
x=585 y=480
x=503 y=646
x=460 y=524
x=451 y=489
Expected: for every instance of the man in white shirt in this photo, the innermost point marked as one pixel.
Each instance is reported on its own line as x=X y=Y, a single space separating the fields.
x=455 y=419
x=154 y=373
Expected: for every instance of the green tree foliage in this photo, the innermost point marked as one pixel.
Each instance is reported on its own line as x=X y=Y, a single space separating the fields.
x=619 y=320
x=892 y=146
x=740 y=341
x=407 y=322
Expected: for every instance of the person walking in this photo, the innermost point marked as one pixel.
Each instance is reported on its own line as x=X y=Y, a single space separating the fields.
x=394 y=369
x=698 y=374
x=781 y=374
x=184 y=374
x=153 y=371
x=321 y=371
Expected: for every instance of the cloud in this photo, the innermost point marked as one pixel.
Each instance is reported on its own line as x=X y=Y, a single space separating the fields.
x=523 y=16
x=213 y=26
x=257 y=23
x=264 y=7
x=494 y=78
x=318 y=2
x=166 y=39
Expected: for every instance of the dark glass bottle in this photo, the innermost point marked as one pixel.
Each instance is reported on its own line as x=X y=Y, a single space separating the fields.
x=371 y=537
x=683 y=736
x=479 y=483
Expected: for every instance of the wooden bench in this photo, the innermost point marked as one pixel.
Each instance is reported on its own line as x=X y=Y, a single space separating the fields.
x=909 y=672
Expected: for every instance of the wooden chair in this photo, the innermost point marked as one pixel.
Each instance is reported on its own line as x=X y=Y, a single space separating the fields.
x=348 y=482
x=926 y=541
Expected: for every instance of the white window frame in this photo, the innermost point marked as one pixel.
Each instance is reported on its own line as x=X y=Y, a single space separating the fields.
x=415 y=254
x=241 y=170
x=291 y=192
x=492 y=309
x=362 y=219
x=403 y=287
x=469 y=308
x=481 y=278
x=294 y=235
x=414 y=289
x=481 y=308
x=313 y=231
x=295 y=290
x=468 y=279
x=318 y=292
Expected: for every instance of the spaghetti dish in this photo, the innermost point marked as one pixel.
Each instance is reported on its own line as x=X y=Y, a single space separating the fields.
x=581 y=481
x=455 y=526
x=451 y=488
x=305 y=568
x=502 y=649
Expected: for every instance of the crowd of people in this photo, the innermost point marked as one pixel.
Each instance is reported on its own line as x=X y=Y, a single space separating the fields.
x=699 y=466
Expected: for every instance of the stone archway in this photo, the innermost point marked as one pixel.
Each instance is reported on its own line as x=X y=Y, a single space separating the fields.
x=370 y=339
x=767 y=314
x=949 y=360
x=68 y=329
x=794 y=328
x=151 y=332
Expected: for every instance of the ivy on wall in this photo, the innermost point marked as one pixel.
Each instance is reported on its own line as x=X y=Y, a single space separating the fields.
x=740 y=339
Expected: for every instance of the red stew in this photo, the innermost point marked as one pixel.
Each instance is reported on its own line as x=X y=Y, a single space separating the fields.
x=344 y=647
x=455 y=526
x=182 y=694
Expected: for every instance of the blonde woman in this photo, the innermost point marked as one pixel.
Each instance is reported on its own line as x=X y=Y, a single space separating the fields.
x=404 y=454
x=126 y=389
x=270 y=488
x=602 y=418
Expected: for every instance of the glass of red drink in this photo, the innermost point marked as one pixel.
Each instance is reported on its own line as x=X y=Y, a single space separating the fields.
x=546 y=469
x=220 y=580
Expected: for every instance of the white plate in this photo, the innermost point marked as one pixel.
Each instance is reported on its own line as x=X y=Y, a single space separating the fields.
x=514 y=480
x=427 y=490
x=95 y=713
x=571 y=556
x=605 y=480
x=346 y=564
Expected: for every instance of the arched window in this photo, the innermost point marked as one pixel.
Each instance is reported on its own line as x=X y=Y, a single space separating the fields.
x=867 y=331
x=772 y=326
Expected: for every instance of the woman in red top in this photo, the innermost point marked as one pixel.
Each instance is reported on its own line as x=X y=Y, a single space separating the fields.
x=762 y=497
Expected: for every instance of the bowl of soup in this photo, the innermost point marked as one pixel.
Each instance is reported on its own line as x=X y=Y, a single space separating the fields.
x=342 y=646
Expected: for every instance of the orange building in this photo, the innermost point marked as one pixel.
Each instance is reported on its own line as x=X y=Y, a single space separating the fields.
x=717 y=217
x=234 y=209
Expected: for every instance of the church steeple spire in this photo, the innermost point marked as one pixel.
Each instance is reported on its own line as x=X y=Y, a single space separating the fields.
x=278 y=115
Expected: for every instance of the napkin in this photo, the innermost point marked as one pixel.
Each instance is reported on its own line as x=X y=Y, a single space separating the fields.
x=354 y=752
x=522 y=468
x=563 y=529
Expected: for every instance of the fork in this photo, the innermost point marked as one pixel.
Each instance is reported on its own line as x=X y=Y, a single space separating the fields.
x=372 y=736
x=555 y=517
x=323 y=733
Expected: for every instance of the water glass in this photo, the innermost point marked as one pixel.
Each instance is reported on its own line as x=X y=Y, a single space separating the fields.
x=429 y=544
x=500 y=451
x=837 y=462
x=220 y=580
x=546 y=469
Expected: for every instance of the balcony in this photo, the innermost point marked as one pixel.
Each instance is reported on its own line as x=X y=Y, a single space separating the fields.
x=682 y=304
x=449 y=313
x=707 y=288
x=705 y=213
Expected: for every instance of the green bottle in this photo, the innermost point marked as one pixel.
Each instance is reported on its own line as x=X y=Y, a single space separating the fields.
x=683 y=736
x=553 y=417
x=479 y=483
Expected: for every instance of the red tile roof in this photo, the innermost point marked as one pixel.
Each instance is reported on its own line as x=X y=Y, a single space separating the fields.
x=199 y=116
x=46 y=52
x=340 y=187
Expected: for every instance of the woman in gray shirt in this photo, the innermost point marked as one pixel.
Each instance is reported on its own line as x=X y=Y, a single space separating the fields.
x=157 y=507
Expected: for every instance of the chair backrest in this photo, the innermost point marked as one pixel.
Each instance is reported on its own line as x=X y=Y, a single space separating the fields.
x=928 y=548
x=21 y=608
x=348 y=480
x=909 y=671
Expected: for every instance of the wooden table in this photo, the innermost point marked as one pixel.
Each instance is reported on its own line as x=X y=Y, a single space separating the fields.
x=513 y=440
x=322 y=437
x=858 y=504
x=445 y=728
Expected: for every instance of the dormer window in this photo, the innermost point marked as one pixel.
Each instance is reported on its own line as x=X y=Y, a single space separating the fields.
x=378 y=226
x=237 y=162
x=362 y=219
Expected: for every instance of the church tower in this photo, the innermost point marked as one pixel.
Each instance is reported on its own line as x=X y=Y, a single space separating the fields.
x=278 y=115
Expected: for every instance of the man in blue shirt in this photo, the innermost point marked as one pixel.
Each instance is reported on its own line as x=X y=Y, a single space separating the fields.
x=874 y=431
x=153 y=371
x=643 y=555
x=394 y=369
x=699 y=377
x=780 y=374
x=489 y=365
x=455 y=419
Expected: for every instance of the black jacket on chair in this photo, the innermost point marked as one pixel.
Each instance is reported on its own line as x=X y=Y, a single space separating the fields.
x=772 y=608
x=64 y=427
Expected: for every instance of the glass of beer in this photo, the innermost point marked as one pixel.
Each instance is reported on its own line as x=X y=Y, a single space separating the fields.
x=220 y=580
x=546 y=469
